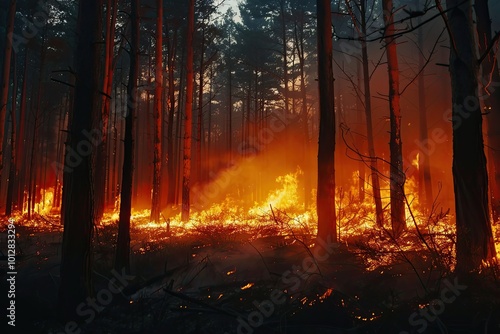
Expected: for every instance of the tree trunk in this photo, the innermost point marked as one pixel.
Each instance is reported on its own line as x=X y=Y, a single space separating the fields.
x=158 y=108
x=285 y=56
x=474 y=234
x=188 y=115
x=178 y=129
x=491 y=97
x=424 y=164
x=13 y=157
x=397 y=176
x=359 y=140
x=199 y=122
x=379 y=213
x=4 y=91
x=21 y=137
x=230 y=108
x=301 y=53
x=327 y=225
x=122 y=260
x=101 y=156
x=170 y=161
x=76 y=266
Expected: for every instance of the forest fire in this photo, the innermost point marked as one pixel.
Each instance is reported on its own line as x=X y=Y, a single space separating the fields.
x=250 y=166
x=282 y=213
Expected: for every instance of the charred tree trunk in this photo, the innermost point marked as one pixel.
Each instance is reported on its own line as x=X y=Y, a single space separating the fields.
x=21 y=137
x=359 y=140
x=170 y=161
x=4 y=92
x=327 y=225
x=491 y=97
x=13 y=156
x=397 y=175
x=188 y=115
x=158 y=113
x=424 y=165
x=122 y=260
x=230 y=106
x=102 y=138
x=300 y=46
x=375 y=181
x=474 y=233
x=76 y=269
x=285 y=55
x=199 y=123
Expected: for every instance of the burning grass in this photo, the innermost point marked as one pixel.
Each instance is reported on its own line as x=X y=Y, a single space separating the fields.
x=282 y=214
x=209 y=272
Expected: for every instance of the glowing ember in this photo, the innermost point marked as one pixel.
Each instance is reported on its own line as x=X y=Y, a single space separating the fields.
x=248 y=286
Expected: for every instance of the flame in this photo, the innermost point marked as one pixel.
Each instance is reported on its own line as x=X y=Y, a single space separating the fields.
x=282 y=211
x=416 y=162
x=45 y=205
x=248 y=286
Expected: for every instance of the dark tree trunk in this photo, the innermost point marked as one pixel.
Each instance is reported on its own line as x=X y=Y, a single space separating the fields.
x=188 y=115
x=301 y=53
x=13 y=156
x=21 y=137
x=171 y=166
x=199 y=123
x=178 y=129
x=424 y=164
x=397 y=176
x=101 y=156
x=474 y=234
x=158 y=113
x=122 y=260
x=327 y=225
x=379 y=213
x=491 y=98
x=230 y=106
x=5 y=79
x=76 y=268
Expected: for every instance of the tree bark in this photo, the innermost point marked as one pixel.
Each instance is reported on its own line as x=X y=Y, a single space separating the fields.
x=122 y=260
x=21 y=137
x=188 y=115
x=199 y=123
x=491 y=98
x=170 y=161
x=424 y=165
x=397 y=175
x=4 y=91
x=76 y=268
x=101 y=155
x=13 y=156
x=327 y=226
x=158 y=113
x=375 y=181
x=474 y=234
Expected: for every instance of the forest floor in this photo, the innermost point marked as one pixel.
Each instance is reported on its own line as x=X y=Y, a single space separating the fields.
x=219 y=281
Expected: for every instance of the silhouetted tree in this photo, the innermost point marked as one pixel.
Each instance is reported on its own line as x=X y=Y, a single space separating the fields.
x=326 y=145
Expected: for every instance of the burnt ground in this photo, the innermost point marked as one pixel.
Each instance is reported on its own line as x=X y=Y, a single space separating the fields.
x=218 y=281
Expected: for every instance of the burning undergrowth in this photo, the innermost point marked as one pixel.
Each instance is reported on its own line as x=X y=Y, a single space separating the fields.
x=259 y=268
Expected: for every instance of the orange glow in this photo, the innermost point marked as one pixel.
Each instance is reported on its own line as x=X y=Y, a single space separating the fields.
x=282 y=212
x=248 y=286
x=45 y=204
